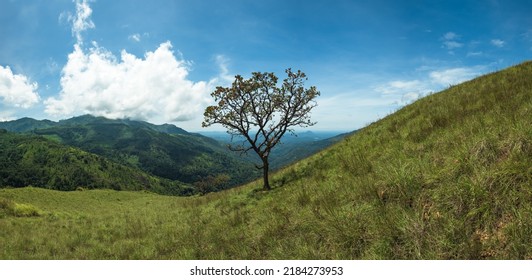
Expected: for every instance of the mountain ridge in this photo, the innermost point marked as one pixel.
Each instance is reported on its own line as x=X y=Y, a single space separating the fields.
x=27 y=124
x=164 y=150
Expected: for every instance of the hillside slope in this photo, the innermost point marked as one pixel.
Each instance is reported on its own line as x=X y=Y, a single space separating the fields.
x=447 y=177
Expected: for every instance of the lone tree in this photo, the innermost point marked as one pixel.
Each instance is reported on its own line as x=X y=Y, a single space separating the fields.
x=261 y=112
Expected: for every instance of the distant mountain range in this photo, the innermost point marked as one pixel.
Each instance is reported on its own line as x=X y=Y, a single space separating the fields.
x=293 y=147
x=29 y=124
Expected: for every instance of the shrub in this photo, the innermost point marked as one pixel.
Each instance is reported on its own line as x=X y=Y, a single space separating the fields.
x=18 y=209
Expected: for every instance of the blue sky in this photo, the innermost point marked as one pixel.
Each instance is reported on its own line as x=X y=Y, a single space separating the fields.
x=159 y=60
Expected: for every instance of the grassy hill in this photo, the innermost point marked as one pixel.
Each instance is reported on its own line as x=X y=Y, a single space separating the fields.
x=447 y=177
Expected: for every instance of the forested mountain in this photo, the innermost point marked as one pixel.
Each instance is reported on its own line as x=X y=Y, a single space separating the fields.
x=26 y=125
x=161 y=150
x=168 y=151
x=33 y=160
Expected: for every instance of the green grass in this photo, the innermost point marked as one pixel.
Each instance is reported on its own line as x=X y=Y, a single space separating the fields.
x=448 y=177
x=9 y=207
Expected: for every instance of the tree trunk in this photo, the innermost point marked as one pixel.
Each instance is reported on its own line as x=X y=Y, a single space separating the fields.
x=266 y=169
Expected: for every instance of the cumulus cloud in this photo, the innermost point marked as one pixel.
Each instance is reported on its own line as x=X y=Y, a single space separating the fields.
x=498 y=43
x=153 y=88
x=17 y=90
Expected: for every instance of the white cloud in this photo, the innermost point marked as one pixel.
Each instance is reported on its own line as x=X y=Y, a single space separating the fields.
x=16 y=90
x=473 y=54
x=81 y=20
x=409 y=97
x=398 y=86
x=134 y=37
x=353 y=109
x=224 y=76
x=5 y=118
x=154 y=88
x=498 y=43
x=453 y=76
x=403 y=92
x=450 y=36
x=450 y=41
x=452 y=44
